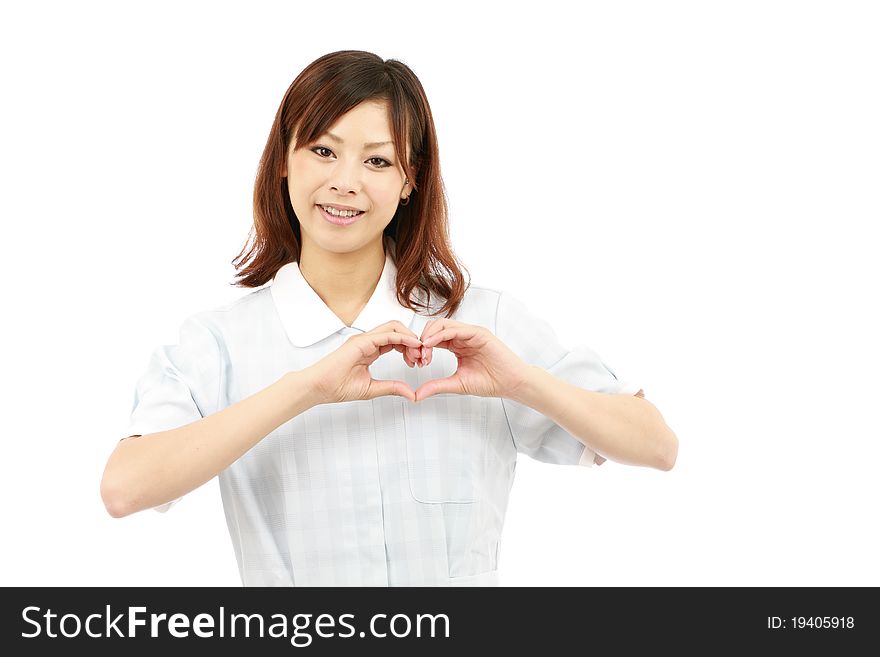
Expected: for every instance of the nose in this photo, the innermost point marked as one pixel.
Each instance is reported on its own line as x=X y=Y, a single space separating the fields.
x=346 y=177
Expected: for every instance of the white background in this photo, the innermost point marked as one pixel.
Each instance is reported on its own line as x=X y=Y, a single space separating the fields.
x=689 y=188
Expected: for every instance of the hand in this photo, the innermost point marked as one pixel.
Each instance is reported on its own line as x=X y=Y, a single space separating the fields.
x=486 y=366
x=343 y=375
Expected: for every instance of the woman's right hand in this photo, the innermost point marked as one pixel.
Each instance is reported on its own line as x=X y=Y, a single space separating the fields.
x=343 y=374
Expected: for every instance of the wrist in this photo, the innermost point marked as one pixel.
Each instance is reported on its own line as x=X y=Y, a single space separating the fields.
x=523 y=391
x=302 y=389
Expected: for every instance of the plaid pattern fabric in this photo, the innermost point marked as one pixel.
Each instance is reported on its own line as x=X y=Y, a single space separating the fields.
x=380 y=492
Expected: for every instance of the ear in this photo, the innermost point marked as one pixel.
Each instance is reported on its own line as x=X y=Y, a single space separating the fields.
x=286 y=156
x=409 y=185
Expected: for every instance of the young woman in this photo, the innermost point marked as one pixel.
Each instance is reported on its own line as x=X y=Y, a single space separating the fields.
x=365 y=409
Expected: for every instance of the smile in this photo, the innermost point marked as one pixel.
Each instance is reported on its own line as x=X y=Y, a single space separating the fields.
x=340 y=220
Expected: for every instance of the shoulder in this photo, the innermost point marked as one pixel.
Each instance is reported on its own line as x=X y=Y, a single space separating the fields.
x=247 y=309
x=479 y=305
x=481 y=295
x=493 y=307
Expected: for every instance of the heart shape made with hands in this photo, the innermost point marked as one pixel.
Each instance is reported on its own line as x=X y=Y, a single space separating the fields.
x=486 y=366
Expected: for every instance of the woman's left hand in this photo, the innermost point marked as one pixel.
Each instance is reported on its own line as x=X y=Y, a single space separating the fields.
x=486 y=366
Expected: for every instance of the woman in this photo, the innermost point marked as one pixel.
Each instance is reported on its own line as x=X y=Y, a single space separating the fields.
x=364 y=411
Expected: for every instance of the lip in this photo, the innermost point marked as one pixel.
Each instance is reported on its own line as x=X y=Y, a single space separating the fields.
x=339 y=221
x=340 y=207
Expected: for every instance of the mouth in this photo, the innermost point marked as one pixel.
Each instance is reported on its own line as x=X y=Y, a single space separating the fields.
x=343 y=218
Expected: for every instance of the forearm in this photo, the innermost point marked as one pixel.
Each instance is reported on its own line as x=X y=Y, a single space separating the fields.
x=149 y=470
x=623 y=428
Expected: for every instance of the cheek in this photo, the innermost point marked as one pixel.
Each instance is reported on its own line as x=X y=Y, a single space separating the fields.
x=301 y=170
x=302 y=185
x=387 y=194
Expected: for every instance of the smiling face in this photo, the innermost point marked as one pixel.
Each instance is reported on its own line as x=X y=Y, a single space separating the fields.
x=347 y=167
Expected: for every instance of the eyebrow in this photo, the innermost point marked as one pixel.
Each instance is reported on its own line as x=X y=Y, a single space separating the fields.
x=372 y=144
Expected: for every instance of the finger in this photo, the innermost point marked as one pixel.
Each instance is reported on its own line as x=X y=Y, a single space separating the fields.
x=447 y=334
x=406 y=351
x=426 y=353
x=449 y=384
x=410 y=355
x=391 y=347
x=413 y=354
x=380 y=388
x=372 y=345
x=393 y=325
x=416 y=355
x=402 y=349
x=393 y=337
x=432 y=327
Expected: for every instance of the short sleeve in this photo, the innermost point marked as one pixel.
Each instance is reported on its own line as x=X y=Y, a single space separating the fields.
x=181 y=384
x=535 y=341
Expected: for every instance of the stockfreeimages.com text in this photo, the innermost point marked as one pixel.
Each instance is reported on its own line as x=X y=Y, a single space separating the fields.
x=299 y=628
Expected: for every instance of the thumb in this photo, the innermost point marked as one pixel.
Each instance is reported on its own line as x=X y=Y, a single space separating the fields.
x=448 y=384
x=381 y=388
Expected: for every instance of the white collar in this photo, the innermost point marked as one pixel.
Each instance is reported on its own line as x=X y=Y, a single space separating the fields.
x=307 y=319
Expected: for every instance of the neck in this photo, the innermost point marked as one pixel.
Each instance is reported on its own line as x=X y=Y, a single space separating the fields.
x=344 y=281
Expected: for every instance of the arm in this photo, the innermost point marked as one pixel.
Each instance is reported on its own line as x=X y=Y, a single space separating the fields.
x=601 y=459
x=146 y=471
x=625 y=428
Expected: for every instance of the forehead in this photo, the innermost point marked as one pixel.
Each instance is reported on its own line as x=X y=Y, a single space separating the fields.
x=370 y=118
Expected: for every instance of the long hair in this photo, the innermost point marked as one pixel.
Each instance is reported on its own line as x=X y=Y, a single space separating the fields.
x=325 y=90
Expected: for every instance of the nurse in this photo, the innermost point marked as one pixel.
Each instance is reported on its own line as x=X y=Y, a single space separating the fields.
x=363 y=407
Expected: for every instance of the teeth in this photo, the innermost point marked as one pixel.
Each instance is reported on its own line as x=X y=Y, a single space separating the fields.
x=340 y=213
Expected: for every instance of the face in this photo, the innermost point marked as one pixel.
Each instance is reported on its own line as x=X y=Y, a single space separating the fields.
x=344 y=168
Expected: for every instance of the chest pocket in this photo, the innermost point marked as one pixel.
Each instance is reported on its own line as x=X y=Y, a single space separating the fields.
x=446 y=439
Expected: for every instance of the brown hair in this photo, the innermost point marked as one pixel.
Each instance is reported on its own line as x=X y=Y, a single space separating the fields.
x=325 y=90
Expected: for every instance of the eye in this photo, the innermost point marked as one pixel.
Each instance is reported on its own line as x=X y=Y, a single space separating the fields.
x=378 y=162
